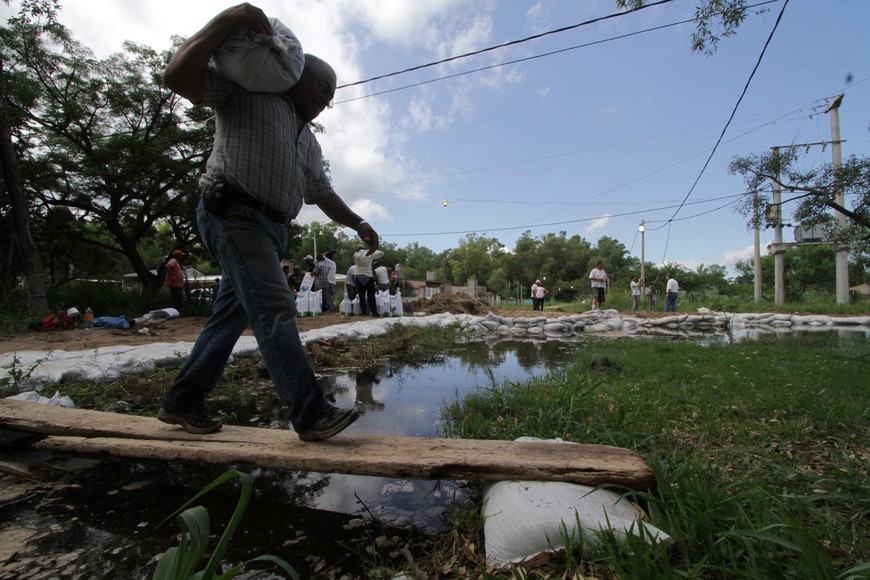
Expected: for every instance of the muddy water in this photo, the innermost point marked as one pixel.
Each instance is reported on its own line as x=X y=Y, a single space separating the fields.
x=84 y=518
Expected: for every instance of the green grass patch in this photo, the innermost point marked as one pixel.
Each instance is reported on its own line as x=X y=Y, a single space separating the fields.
x=760 y=450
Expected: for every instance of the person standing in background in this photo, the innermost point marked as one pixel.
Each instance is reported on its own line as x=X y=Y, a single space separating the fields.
x=635 y=293
x=382 y=276
x=174 y=279
x=350 y=282
x=365 y=280
x=598 y=277
x=673 y=290
x=539 y=294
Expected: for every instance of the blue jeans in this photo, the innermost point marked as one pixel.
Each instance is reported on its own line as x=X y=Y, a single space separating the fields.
x=248 y=246
x=671 y=302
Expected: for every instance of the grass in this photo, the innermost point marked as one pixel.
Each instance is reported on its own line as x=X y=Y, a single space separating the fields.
x=760 y=451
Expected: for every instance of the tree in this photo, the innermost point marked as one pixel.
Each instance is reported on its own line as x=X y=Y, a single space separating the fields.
x=103 y=138
x=813 y=190
x=714 y=20
x=31 y=260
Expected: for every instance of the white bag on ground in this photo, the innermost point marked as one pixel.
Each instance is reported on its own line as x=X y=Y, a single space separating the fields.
x=525 y=518
x=382 y=300
x=396 y=308
x=309 y=303
x=345 y=307
x=262 y=63
x=357 y=309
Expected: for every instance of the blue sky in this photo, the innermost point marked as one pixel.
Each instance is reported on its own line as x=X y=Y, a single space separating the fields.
x=589 y=141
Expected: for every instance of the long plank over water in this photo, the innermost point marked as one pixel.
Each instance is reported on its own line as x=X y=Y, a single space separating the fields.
x=110 y=434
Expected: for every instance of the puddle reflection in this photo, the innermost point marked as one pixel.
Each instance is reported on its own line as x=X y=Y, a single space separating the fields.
x=405 y=401
x=401 y=400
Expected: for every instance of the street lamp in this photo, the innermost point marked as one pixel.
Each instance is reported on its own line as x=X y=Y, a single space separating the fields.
x=642 y=230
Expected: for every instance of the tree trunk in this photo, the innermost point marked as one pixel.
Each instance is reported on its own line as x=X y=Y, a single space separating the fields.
x=30 y=259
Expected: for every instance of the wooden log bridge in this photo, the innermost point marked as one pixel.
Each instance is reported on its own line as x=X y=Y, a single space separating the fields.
x=97 y=433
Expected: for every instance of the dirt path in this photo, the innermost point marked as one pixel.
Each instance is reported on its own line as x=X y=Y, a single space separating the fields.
x=186 y=329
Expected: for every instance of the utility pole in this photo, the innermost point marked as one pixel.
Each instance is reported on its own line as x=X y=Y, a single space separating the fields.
x=842 y=255
x=756 y=246
x=778 y=249
x=642 y=231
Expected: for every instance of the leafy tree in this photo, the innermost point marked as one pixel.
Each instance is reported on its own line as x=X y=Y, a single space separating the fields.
x=418 y=260
x=474 y=257
x=715 y=19
x=812 y=190
x=102 y=138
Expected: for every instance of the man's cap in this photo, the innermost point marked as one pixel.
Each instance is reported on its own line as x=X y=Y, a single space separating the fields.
x=537 y=281
x=178 y=253
x=329 y=252
x=308 y=258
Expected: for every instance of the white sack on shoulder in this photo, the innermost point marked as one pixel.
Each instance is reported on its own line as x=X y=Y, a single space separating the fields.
x=262 y=63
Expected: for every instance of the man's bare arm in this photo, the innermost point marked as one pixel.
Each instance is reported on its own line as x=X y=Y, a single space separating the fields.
x=335 y=208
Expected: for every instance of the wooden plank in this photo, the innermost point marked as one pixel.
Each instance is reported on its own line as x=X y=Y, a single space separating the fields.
x=94 y=432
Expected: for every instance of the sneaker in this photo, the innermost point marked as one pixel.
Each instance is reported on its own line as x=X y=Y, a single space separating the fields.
x=331 y=422
x=198 y=422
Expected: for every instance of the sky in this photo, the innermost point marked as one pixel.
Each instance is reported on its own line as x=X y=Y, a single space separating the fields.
x=593 y=139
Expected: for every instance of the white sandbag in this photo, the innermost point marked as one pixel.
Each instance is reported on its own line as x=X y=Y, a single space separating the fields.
x=382 y=301
x=309 y=303
x=262 y=63
x=57 y=400
x=307 y=282
x=526 y=518
x=396 y=307
x=357 y=309
x=345 y=307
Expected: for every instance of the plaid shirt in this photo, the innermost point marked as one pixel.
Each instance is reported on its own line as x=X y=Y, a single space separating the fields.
x=256 y=148
x=321 y=275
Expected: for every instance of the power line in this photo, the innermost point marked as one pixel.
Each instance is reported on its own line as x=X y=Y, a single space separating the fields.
x=736 y=106
x=519 y=60
x=506 y=44
x=566 y=222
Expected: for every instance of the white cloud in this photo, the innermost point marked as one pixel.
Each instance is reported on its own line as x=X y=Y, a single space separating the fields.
x=596 y=225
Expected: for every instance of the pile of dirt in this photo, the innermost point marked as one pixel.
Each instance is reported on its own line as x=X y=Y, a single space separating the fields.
x=449 y=303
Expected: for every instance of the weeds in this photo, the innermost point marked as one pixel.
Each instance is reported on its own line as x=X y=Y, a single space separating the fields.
x=180 y=562
x=759 y=451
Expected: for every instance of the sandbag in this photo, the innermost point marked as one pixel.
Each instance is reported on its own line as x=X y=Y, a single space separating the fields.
x=307 y=282
x=526 y=518
x=396 y=307
x=345 y=307
x=382 y=301
x=262 y=63
x=309 y=303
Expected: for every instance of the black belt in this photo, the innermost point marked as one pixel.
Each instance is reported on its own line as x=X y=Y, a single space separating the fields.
x=227 y=194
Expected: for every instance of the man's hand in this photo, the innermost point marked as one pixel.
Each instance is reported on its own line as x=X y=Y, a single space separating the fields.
x=368 y=234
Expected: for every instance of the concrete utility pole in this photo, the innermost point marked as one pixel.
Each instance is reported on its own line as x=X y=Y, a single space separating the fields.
x=757 y=247
x=642 y=231
x=842 y=256
x=778 y=249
